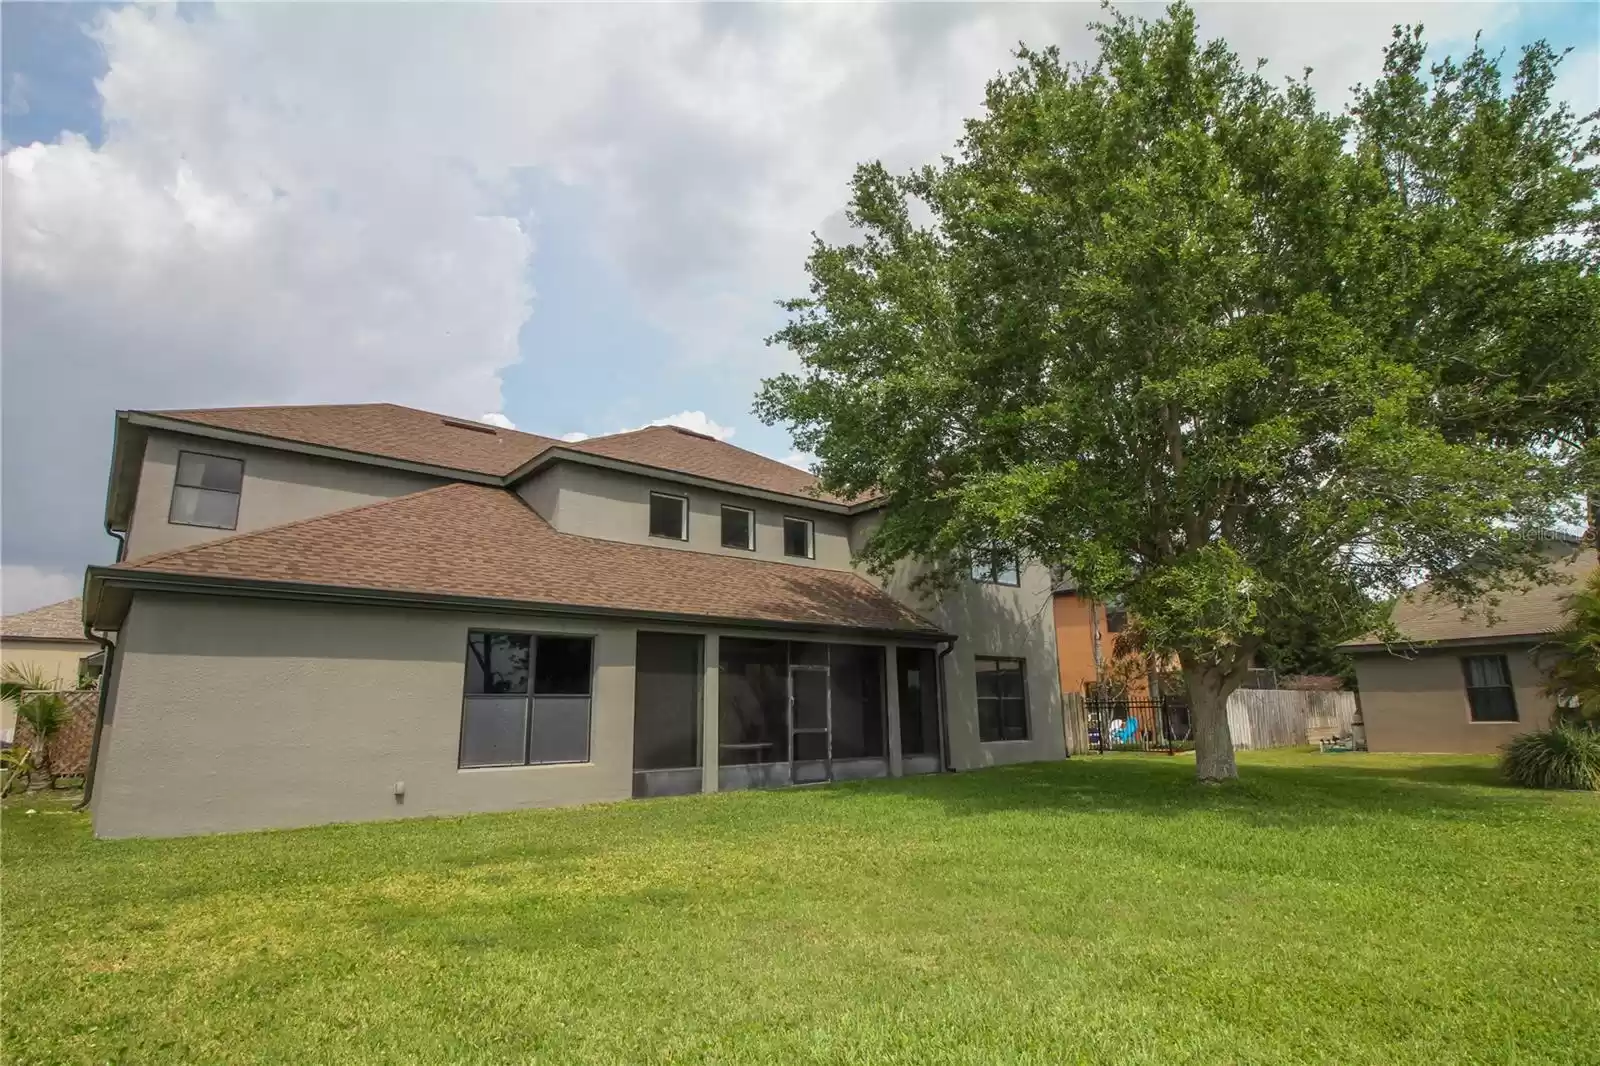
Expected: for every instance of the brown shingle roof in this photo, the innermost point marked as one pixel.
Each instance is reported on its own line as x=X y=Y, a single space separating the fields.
x=56 y=621
x=671 y=448
x=393 y=432
x=382 y=429
x=1422 y=617
x=480 y=542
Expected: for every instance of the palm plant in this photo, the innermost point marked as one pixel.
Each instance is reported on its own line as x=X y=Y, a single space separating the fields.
x=43 y=708
x=1573 y=677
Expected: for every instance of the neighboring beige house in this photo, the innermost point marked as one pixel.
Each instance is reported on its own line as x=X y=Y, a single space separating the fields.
x=49 y=639
x=1461 y=683
x=342 y=613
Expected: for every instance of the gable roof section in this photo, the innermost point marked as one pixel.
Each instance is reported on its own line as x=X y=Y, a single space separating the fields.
x=473 y=542
x=687 y=452
x=56 y=621
x=382 y=429
x=1423 y=618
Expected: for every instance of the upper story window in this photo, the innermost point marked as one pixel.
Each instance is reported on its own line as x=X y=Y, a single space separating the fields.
x=996 y=567
x=1116 y=618
x=206 y=491
x=738 y=528
x=1489 y=694
x=669 y=516
x=799 y=538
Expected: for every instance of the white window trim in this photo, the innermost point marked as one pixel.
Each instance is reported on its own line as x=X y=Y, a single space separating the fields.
x=811 y=537
x=683 y=503
x=750 y=528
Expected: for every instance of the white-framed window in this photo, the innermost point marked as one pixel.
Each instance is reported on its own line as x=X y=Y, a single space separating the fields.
x=799 y=538
x=993 y=566
x=1002 y=698
x=669 y=516
x=206 y=490
x=527 y=699
x=738 y=527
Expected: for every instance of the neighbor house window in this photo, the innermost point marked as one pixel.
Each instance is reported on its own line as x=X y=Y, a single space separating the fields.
x=798 y=538
x=206 y=490
x=1002 y=699
x=1489 y=695
x=669 y=516
x=1116 y=619
x=527 y=699
x=995 y=567
x=738 y=528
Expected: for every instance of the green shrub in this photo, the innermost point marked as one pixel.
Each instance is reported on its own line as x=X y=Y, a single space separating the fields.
x=1566 y=756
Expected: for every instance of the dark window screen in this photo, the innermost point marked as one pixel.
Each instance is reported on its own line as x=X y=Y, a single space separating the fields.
x=736 y=528
x=919 y=701
x=1002 y=700
x=753 y=701
x=668 y=514
x=1489 y=694
x=666 y=702
x=797 y=537
x=562 y=667
x=857 y=674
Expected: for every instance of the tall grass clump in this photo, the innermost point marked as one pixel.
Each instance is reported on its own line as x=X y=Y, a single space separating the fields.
x=1566 y=756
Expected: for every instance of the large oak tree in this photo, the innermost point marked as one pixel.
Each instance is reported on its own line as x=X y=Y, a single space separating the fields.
x=1170 y=329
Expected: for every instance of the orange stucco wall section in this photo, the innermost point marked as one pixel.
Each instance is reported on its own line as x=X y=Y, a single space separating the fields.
x=1075 y=640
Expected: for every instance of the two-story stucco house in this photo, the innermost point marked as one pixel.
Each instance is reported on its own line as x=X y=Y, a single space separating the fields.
x=339 y=613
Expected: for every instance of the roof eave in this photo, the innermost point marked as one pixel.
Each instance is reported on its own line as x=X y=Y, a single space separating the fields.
x=106 y=588
x=1444 y=642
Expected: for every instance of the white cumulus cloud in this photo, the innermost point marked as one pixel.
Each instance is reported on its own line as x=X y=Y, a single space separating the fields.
x=22 y=588
x=698 y=422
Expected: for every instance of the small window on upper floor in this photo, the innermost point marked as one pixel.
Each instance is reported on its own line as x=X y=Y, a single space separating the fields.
x=996 y=567
x=738 y=528
x=669 y=516
x=206 y=491
x=799 y=538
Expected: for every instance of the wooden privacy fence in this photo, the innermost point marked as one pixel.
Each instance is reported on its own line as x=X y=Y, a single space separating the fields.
x=1257 y=718
x=1286 y=718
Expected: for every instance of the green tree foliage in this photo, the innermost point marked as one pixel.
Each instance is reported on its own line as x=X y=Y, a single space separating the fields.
x=1574 y=673
x=1170 y=329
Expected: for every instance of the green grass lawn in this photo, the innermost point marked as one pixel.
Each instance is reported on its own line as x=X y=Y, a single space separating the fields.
x=1326 y=909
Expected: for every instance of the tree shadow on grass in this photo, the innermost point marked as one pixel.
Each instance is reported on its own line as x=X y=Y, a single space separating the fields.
x=1343 y=789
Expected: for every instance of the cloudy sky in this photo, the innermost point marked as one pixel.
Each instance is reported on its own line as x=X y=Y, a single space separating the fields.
x=572 y=218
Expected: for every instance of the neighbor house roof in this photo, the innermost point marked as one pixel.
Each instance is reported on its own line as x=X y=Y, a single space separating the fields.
x=475 y=542
x=408 y=435
x=1423 y=617
x=56 y=621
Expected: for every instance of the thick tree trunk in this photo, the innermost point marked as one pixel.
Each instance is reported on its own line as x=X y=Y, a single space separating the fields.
x=1208 y=708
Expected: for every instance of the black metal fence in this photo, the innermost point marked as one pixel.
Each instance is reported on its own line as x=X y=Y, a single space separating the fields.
x=1137 y=724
